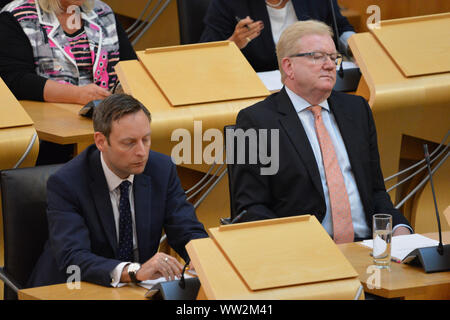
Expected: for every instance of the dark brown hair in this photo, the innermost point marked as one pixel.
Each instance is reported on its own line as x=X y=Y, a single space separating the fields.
x=113 y=108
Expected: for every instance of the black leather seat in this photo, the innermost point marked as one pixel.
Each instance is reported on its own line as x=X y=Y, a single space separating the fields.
x=230 y=165
x=190 y=19
x=25 y=229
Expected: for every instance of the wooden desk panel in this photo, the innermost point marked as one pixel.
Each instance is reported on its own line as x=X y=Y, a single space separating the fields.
x=416 y=107
x=87 y=291
x=403 y=281
x=221 y=281
x=60 y=123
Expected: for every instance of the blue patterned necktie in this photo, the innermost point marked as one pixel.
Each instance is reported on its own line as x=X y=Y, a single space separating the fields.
x=125 y=224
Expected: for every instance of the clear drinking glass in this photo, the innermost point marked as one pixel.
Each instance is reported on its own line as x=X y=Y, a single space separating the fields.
x=382 y=238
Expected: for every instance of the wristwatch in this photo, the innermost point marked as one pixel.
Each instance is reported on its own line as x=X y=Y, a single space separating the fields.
x=133 y=269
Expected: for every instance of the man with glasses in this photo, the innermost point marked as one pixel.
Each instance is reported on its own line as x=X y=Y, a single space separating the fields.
x=329 y=164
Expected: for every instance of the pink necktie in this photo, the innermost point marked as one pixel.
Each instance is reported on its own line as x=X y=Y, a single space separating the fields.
x=340 y=205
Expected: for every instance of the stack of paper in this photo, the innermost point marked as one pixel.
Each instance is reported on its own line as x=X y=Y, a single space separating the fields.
x=402 y=245
x=271 y=79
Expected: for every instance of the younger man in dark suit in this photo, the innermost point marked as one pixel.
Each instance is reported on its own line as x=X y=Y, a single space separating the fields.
x=329 y=164
x=108 y=206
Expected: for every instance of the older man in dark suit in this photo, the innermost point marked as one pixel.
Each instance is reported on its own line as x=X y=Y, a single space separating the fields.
x=329 y=164
x=108 y=206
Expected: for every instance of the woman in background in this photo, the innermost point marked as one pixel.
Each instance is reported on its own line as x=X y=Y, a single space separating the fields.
x=256 y=25
x=61 y=50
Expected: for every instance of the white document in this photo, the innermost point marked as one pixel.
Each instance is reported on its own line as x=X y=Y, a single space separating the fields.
x=271 y=79
x=402 y=245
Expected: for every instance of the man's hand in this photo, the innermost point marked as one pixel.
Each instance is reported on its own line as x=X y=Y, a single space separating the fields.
x=160 y=265
x=400 y=231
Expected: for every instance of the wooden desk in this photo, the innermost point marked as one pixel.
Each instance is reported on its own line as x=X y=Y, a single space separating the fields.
x=408 y=111
x=60 y=123
x=403 y=281
x=87 y=291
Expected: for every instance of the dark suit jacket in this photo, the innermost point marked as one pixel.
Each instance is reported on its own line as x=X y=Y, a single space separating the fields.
x=220 y=21
x=297 y=189
x=81 y=223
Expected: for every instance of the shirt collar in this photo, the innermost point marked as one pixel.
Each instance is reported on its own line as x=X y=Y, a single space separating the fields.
x=112 y=179
x=301 y=104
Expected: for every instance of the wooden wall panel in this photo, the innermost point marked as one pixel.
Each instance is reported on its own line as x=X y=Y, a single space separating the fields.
x=393 y=9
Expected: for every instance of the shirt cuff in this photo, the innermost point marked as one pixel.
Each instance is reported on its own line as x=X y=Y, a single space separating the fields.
x=344 y=39
x=116 y=275
x=402 y=225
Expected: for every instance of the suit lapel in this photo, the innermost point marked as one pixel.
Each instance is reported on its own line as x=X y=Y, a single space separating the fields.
x=300 y=9
x=142 y=202
x=100 y=193
x=294 y=129
x=350 y=133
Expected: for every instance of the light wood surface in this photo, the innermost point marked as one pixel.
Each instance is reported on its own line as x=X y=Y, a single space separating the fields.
x=415 y=107
x=16 y=131
x=202 y=73
x=284 y=248
x=166 y=118
x=393 y=9
x=60 y=122
x=87 y=291
x=163 y=32
x=402 y=281
x=424 y=219
x=417 y=58
x=221 y=281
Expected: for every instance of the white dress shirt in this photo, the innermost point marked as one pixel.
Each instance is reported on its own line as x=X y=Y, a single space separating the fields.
x=114 y=182
x=306 y=117
x=360 y=226
x=282 y=18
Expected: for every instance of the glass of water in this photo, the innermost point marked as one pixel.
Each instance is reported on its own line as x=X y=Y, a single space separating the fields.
x=382 y=237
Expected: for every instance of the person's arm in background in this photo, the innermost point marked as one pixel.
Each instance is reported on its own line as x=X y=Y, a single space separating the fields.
x=17 y=69
x=221 y=24
x=16 y=61
x=345 y=29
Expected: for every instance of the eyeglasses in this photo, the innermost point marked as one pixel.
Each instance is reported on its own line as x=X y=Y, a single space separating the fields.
x=320 y=56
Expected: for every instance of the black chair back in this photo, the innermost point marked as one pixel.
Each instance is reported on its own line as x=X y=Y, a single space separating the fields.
x=190 y=19
x=230 y=167
x=25 y=229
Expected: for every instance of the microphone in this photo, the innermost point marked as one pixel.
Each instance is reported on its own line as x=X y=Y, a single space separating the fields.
x=183 y=289
x=440 y=247
x=353 y=74
x=432 y=259
x=182 y=282
x=336 y=30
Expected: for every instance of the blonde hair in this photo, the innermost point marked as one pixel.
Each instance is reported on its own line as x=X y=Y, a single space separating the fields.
x=55 y=6
x=286 y=46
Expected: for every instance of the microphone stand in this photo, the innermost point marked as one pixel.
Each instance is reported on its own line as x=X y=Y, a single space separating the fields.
x=432 y=259
x=353 y=75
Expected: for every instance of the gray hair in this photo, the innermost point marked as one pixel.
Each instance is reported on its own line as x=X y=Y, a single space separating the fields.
x=286 y=46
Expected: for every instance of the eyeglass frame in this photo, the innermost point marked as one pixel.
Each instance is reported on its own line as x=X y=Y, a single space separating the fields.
x=311 y=54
